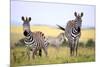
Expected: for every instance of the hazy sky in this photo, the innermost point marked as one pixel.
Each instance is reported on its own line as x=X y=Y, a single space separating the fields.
x=51 y=13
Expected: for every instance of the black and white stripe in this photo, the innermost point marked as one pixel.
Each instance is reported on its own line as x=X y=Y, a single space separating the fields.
x=35 y=41
x=73 y=32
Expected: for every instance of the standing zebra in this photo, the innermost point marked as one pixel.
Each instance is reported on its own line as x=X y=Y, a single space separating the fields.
x=34 y=40
x=73 y=32
x=56 y=41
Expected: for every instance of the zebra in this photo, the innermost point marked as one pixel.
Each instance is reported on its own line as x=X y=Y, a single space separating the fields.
x=73 y=32
x=34 y=40
x=56 y=41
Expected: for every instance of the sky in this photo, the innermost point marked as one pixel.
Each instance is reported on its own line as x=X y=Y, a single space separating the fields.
x=51 y=13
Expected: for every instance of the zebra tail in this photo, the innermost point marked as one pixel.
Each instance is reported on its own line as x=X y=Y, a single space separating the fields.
x=61 y=27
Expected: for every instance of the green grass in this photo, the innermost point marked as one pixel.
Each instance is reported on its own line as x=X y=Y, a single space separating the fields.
x=60 y=56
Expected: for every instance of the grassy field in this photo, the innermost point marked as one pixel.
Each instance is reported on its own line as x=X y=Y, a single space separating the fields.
x=50 y=31
x=60 y=56
x=54 y=56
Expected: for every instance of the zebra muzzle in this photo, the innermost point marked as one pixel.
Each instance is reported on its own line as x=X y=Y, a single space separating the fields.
x=25 y=33
x=78 y=29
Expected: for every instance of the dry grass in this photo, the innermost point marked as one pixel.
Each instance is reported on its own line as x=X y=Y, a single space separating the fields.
x=86 y=34
x=60 y=56
x=54 y=56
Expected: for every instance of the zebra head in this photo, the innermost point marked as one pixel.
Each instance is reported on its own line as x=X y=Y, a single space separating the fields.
x=26 y=25
x=78 y=19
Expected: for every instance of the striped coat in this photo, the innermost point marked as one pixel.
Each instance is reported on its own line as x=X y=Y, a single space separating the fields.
x=56 y=41
x=73 y=32
x=34 y=40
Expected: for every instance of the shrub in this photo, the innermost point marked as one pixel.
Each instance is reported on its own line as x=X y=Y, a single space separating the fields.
x=20 y=42
x=65 y=43
x=90 y=43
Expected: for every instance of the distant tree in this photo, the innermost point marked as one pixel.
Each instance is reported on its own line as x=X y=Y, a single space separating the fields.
x=90 y=43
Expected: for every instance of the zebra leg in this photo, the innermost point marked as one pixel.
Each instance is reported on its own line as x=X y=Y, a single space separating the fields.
x=76 y=47
x=45 y=47
x=40 y=52
x=70 y=45
x=45 y=51
x=73 y=49
x=36 y=53
x=76 y=50
x=70 y=51
x=33 y=53
x=29 y=53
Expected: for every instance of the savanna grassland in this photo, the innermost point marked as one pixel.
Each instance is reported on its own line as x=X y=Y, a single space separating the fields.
x=60 y=56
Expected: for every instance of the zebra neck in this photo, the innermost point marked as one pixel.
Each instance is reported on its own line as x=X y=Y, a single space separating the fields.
x=75 y=30
x=29 y=39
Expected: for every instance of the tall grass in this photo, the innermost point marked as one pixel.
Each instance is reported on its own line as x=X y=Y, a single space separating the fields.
x=19 y=57
x=52 y=31
x=54 y=56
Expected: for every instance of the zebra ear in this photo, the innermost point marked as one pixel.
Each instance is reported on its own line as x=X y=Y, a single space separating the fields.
x=75 y=14
x=29 y=19
x=81 y=14
x=23 y=18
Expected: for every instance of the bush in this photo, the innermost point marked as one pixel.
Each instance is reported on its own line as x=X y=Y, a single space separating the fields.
x=65 y=43
x=90 y=43
x=20 y=42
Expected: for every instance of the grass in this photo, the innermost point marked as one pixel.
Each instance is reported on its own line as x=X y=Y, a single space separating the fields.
x=17 y=32
x=60 y=56
x=54 y=56
x=87 y=34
